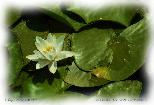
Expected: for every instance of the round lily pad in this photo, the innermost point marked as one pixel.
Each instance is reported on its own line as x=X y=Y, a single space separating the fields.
x=129 y=52
x=128 y=88
x=121 y=14
x=91 y=47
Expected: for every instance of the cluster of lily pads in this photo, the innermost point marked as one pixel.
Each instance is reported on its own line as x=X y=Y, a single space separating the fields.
x=56 y=48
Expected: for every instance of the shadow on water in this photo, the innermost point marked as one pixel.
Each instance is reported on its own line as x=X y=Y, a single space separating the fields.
x=103 y=25
x=39 y=76
x=35 y=20
x=72 y=15
x=38 y=21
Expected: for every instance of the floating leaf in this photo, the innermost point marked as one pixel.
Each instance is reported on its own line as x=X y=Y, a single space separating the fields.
x=91 y=47
x=12 y=16
x=43 y=90
x=15 y=60
x=121 y=13
x=41 y=84
x=128 y=88
x=69 y=95
x=55 y=12
x=81 y=78
x=129 y=51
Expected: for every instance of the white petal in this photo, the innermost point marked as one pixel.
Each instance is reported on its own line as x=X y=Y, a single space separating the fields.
x=52 y=67
x=52 y=40
x=60 y=42
x=32 y=57
x=36 y=56
x=39 y=54
x=64 y=54
x=42 y=63
x=41 y=44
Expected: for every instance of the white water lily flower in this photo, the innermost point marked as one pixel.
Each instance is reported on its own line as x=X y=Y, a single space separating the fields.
x=49 y=52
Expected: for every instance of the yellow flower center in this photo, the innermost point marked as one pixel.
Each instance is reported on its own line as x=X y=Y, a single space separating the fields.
x=48 y=49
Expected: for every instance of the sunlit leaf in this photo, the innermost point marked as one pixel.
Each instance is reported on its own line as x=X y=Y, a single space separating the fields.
x=15 y=60
x=13 y=15
x=127 y=89
x=129 y=52
x=41 y=84
x=91 y=47
x=117 y=13
x=80 y=78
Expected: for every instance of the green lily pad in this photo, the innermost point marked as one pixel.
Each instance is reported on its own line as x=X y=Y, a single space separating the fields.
x=43 y=90
x=40 y=84
x=121 y=13
x=12 y=16
x=91 y=47
x=55 y=12
x=80 y=78
x=129 y=51
x=128 y=88
x=15 y=60
x=67 y=95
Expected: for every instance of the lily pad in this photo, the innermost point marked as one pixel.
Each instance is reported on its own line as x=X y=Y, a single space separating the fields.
x=121 y=13
x=129 y=51
x=91 y=47
x=12 y=16
x=41 y=84
x=43 y=90
x=67 y=95
x=15 y=60
x=128 y=88
x=55 y=12
x=80 y=78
